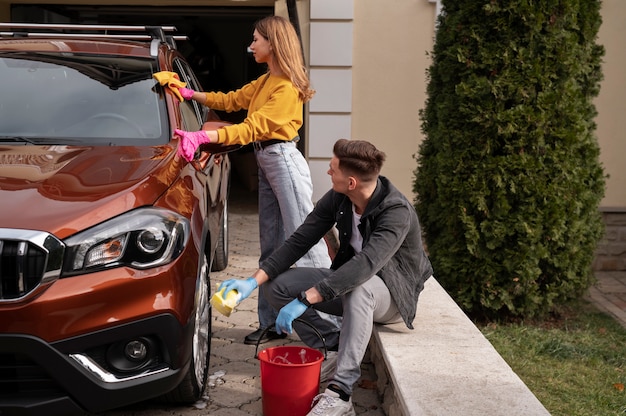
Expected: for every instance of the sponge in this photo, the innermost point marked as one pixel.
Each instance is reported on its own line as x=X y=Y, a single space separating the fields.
x=225 y=305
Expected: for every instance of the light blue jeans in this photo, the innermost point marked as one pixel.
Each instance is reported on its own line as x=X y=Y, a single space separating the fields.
x=367 y=304
x=285 y=199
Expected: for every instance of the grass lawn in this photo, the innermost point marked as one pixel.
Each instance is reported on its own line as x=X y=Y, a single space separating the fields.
x=575 y=363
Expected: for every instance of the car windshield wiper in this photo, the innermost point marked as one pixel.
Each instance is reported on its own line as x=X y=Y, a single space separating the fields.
x=19 y=139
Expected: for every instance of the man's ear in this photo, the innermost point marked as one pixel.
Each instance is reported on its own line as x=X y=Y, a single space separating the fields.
x=352 y=182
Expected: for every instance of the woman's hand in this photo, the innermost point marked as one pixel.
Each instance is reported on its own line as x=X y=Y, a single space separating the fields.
x=186 y=93
x=190 y=141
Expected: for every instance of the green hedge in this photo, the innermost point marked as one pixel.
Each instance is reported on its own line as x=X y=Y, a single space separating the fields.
x=509 y=181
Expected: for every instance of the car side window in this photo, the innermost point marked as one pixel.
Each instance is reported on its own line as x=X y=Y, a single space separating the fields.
x=193 y=114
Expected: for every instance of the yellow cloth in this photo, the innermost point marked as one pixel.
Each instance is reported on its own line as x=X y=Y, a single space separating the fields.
x=171 y=80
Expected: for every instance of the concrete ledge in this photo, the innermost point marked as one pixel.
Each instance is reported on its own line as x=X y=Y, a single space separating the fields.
x=445 y=366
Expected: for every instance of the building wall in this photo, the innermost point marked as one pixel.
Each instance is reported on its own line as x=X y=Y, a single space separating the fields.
x=390 y=42
x=330 y=112
x=610 y=103
x=611 y=251
x=368 y=63
x=390 y=62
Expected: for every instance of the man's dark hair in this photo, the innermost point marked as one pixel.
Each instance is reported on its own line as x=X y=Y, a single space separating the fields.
x=359 y=158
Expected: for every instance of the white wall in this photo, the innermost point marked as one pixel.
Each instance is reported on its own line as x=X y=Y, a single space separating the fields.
x=330 y=111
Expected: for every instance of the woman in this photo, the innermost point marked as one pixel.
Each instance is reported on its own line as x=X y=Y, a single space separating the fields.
x=274 y=102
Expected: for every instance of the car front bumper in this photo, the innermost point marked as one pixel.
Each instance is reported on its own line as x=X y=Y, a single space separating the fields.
x=71 y=376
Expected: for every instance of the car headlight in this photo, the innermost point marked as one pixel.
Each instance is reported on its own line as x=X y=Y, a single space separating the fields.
x=141 y=239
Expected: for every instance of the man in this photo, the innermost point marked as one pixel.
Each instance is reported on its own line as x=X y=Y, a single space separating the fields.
x=376 y=277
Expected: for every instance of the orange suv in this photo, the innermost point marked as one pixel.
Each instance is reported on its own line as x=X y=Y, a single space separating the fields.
x=107 y=236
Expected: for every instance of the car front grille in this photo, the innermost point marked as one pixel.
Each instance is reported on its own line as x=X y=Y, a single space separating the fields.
x=27 y=259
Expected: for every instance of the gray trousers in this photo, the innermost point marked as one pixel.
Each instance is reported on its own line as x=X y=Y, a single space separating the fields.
x=362 y=307
x=285 y=199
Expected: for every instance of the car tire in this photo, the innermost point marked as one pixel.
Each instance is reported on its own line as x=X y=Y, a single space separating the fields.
x=220 y=257
x=191 y=388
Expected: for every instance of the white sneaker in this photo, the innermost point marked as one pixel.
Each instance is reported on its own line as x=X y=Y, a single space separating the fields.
x=329 y=365
x=329 y=404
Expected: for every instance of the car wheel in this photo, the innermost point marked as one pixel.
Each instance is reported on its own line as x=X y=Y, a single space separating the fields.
x=220 y=258
x=191 y=387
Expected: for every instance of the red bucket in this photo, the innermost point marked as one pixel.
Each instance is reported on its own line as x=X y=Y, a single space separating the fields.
x=290 y=378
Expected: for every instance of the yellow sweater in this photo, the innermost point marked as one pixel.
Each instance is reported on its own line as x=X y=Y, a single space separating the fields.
x=274 y=110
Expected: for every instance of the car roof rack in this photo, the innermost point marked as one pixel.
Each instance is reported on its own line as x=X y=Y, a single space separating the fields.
x=92 y=31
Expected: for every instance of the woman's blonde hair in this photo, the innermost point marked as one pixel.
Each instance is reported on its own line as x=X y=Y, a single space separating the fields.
x=287 y=52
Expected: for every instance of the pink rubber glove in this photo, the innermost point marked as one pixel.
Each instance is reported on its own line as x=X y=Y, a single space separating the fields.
x=190 y=141
x=186 y=93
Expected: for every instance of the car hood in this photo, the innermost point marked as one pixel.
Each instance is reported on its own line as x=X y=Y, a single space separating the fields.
x=65 y=189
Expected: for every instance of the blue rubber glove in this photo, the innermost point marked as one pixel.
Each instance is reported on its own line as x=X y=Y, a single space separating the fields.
x=244 y=286
x=288 y=314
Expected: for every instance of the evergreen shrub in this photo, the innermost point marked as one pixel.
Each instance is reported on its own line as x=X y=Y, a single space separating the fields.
x=508 y=181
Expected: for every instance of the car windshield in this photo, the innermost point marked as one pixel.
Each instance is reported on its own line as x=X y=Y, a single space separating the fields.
x=68 y=98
